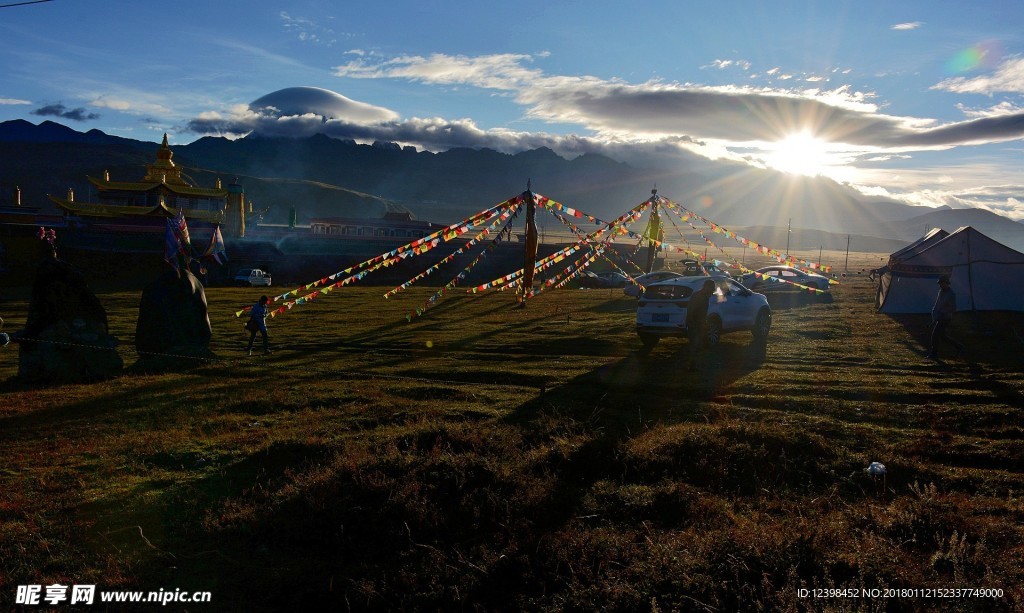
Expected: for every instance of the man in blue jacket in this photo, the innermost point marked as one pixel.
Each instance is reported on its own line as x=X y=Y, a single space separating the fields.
x=258 y=323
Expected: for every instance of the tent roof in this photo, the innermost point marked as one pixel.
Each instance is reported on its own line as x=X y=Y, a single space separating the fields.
x=964 y=246
x=932 y=236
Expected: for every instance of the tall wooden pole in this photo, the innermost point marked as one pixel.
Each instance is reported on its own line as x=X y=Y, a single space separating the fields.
x=531 y=245
x=653 y=231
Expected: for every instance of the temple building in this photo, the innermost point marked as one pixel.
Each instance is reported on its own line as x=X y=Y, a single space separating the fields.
x=392 y=225
x=157 y=196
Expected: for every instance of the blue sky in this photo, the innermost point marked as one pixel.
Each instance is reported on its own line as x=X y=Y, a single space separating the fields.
x=922 y=102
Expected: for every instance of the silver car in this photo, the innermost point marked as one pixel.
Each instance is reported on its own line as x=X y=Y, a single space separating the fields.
x=784 y=273
x=661 y=310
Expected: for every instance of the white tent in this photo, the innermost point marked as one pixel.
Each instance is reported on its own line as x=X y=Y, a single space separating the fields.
x=986 y=275
x=930 y=238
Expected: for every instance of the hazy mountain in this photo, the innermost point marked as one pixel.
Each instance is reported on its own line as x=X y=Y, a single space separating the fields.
x=321 y=176
x=988 y=223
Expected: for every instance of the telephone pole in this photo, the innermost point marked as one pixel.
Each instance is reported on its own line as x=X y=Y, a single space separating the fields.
x=846 y=267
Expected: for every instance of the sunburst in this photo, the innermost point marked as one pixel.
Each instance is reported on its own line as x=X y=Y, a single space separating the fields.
x=799 y=154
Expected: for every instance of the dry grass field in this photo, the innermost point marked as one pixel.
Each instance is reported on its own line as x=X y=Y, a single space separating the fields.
x=490 y=458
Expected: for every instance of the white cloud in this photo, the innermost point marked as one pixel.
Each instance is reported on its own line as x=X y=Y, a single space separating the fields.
x=14 y=101
x=324 y=103
x=723 y=64
x=502 y=71
x=308 y=30
x=138 y=106
x=979 y=184
x=656 y=109
x=1014 y=208
x=910 y=25
x=999 y=110
x=1008 y=77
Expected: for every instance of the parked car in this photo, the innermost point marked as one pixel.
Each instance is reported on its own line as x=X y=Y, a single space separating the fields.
x=785 y=273
x=252 y=277
x=693 y=268
x=603 y=279
x=633 y=290
x=661 y=310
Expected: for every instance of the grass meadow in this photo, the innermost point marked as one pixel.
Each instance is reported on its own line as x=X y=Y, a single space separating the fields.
x=483 y=457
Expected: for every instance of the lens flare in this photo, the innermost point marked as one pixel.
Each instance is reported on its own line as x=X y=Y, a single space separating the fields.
x=983 y=55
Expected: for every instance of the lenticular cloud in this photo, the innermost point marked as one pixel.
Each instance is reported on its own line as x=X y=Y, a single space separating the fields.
x=298 y=101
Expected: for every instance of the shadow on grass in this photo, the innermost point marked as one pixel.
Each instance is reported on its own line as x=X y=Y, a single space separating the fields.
x=655 y=387
x=785 y=300
x=108 y=405
x=994 y=339
x=154 y=526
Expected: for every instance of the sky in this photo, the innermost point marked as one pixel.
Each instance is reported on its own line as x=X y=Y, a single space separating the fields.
x=916 y=101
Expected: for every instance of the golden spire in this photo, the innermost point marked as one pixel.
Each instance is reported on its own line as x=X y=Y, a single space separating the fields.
x=165 y=152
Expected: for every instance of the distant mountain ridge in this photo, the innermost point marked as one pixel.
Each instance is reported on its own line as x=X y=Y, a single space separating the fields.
x=19 y=130
x=321 y=176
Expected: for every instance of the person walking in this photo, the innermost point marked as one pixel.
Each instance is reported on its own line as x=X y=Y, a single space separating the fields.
x=942 y=315
x=696 y=314
x=258 y=323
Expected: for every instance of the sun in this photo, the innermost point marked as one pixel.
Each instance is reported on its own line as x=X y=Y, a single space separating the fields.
x=799 y=154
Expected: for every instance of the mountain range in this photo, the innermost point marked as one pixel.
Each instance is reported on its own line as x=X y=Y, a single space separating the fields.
x=320 y=176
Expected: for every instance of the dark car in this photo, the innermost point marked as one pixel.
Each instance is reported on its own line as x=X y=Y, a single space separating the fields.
x=603 y=280
x=633 y=289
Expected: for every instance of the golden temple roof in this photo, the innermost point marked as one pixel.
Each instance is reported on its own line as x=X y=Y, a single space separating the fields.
x=96 y=209
x=180 y=187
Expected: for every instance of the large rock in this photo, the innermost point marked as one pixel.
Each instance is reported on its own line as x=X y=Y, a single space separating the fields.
x=173 y=329
x=65 y=339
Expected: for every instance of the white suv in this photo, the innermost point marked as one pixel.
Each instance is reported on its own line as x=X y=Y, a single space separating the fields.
x=661 y=310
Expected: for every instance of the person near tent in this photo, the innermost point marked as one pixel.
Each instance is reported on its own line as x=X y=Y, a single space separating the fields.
x=696 y=314
x=942 y=315
x=258 y=323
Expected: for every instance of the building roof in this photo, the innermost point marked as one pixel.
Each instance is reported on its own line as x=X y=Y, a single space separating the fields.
x=372 y=221
x=94 y=209
x=163 y=172
x=144 y=186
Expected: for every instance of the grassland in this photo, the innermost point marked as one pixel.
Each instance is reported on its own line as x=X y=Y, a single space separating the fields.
x=484 y=457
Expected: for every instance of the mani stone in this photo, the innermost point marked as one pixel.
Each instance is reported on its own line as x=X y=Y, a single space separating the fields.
x=173 y=328
x=65 y=339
